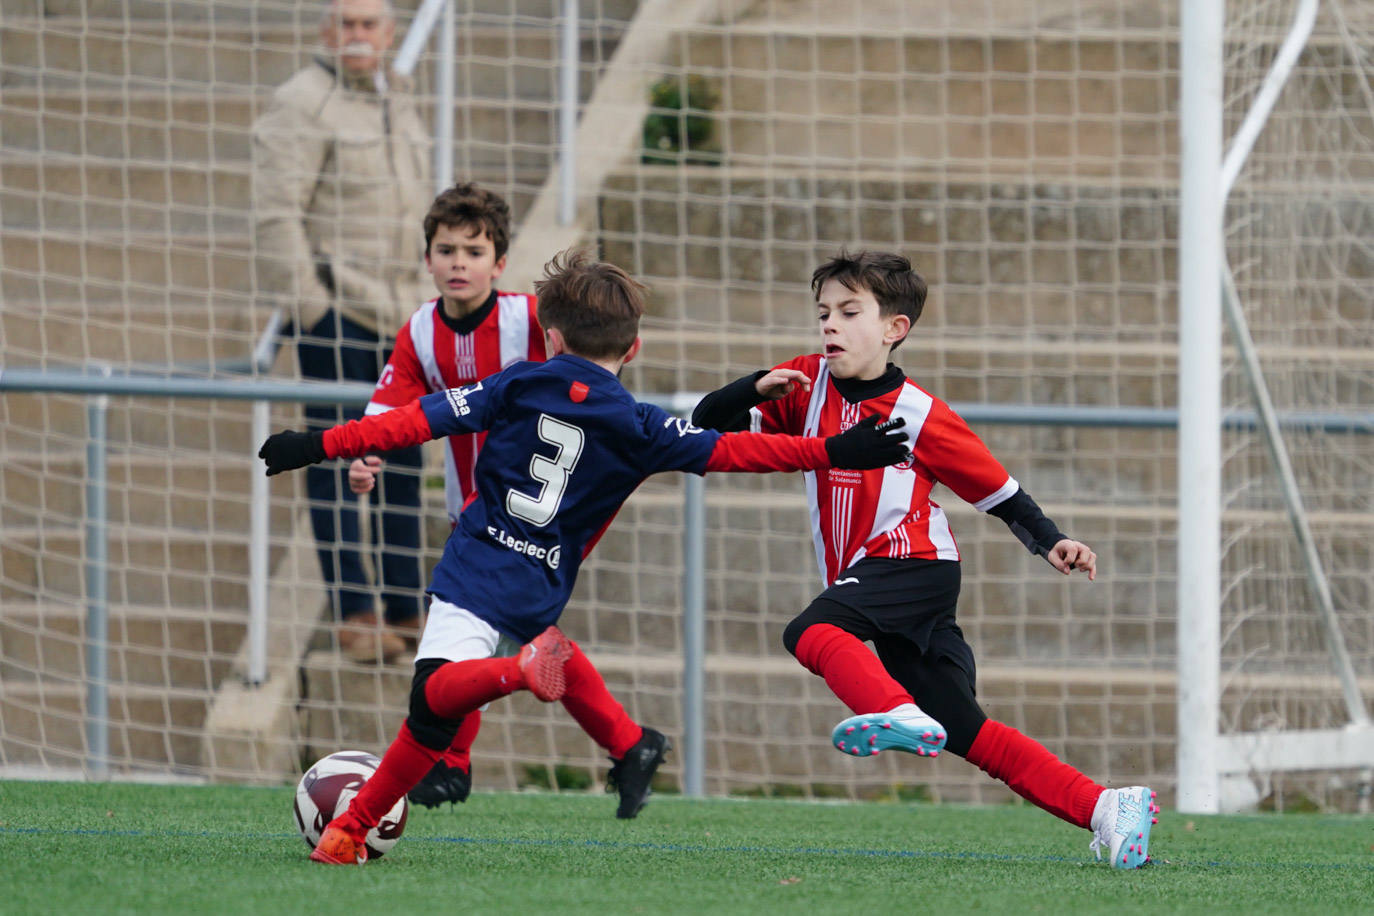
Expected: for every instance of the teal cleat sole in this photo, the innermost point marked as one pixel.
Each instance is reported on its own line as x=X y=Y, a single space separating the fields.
x=866 y=735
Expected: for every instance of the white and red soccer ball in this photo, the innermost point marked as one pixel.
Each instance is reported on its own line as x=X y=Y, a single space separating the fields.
x=325 y=791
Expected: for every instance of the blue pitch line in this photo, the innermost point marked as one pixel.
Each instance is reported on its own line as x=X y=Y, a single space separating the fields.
x=684 y=848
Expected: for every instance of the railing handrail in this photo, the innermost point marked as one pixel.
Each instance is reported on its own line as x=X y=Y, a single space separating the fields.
x=145 y=384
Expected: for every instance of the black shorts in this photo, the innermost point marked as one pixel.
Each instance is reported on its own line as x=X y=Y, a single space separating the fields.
x=915 y=599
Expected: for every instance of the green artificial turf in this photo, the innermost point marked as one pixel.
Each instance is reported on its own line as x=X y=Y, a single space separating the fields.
x=108 y=848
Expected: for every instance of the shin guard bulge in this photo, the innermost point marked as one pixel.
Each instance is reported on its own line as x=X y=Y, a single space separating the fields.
x=853 y=674
x=459 y=753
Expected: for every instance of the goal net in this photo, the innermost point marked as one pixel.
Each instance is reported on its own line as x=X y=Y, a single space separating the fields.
x=1024 y=155
x=1297 y=237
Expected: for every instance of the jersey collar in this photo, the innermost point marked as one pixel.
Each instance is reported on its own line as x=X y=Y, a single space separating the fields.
x=855 y=390
x=469 y=322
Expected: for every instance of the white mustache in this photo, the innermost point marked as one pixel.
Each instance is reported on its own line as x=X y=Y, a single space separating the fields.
x=357 y=49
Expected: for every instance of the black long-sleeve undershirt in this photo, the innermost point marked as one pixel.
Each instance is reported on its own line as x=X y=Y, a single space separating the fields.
x=1030 y=525
x=726 y=409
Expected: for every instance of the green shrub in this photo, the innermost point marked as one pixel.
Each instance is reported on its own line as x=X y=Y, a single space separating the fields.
x=681 y=126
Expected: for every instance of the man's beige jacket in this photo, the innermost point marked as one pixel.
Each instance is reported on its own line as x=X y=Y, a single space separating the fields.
x=340 y=189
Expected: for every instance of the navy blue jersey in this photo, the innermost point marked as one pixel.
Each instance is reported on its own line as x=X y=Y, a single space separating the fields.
x=566 y=445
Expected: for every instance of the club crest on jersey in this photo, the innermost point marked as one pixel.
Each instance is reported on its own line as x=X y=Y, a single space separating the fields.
x=684 y=427
x=458 y=399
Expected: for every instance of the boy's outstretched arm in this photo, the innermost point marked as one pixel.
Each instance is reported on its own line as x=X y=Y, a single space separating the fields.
x=399 y=428
x=727 y=408
x=866 y=444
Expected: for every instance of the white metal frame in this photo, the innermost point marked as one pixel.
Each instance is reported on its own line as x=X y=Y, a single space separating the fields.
x=1206 y=758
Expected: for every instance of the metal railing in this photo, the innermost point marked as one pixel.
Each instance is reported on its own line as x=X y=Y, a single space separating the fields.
x=102 y=383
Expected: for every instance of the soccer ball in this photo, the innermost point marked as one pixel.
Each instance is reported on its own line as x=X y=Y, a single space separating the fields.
x=325 y=791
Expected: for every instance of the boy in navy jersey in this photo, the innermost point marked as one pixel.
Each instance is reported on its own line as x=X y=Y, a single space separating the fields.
x=469 y=331
x=889 y=560
x=566 y=445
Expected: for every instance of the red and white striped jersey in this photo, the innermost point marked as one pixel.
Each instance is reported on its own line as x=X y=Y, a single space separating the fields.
x=886 y=512
x=430 y=356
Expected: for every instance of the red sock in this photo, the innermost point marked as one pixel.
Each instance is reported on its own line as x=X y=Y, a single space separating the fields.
x=404 y=764
x=1033 y=773
x=853 y=673
x=459 y=753
x=589 y=702
x=456 y=689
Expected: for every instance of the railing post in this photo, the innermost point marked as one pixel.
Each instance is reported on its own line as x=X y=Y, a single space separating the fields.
x=443 y=116
x=97 y=588
x=569 y=61
x=258 y=557
x=694 y=635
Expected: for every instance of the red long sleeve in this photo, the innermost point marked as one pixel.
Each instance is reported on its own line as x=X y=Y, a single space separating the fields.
x=381 y=432
x=767 y=452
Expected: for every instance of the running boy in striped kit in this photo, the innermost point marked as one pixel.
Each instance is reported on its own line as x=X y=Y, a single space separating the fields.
x=889 y=560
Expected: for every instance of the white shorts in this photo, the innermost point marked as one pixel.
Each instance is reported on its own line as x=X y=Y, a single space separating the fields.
x=458 y=635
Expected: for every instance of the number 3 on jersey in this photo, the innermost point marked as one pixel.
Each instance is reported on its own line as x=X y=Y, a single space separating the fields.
x=552 y=473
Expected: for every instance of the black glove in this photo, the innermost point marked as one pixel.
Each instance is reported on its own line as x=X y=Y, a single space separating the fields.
x=868 y=444
x=286 y=451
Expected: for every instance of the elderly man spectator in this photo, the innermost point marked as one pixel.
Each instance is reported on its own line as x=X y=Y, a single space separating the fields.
x=341 y=185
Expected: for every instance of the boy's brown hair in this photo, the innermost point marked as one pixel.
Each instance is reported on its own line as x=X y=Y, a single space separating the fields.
x=899 y=289
x=595 y=306
x=474 y=208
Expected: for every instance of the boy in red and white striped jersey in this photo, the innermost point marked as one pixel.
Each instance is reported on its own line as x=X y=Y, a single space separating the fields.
x=889 y=561
x=468 y=332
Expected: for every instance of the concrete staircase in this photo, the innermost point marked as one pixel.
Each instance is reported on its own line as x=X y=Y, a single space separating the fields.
x=124 y=191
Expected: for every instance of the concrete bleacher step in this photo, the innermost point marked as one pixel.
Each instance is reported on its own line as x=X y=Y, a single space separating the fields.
x=500 y=60
x=143 y=422
x=172 y=202
x=188 y=495
x=117 y=265
x=151 y=728
x=793 y=93
x=167 y=199
x=306 y=17
x=978 y=231
x=175 y=331
x=169 y=208
x=148 y=567
x=1030 y=368
x=998 y=254
x=149 y=646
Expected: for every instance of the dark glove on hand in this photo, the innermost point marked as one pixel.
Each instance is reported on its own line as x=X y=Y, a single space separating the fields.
x=286 y=451
x=868 y=444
